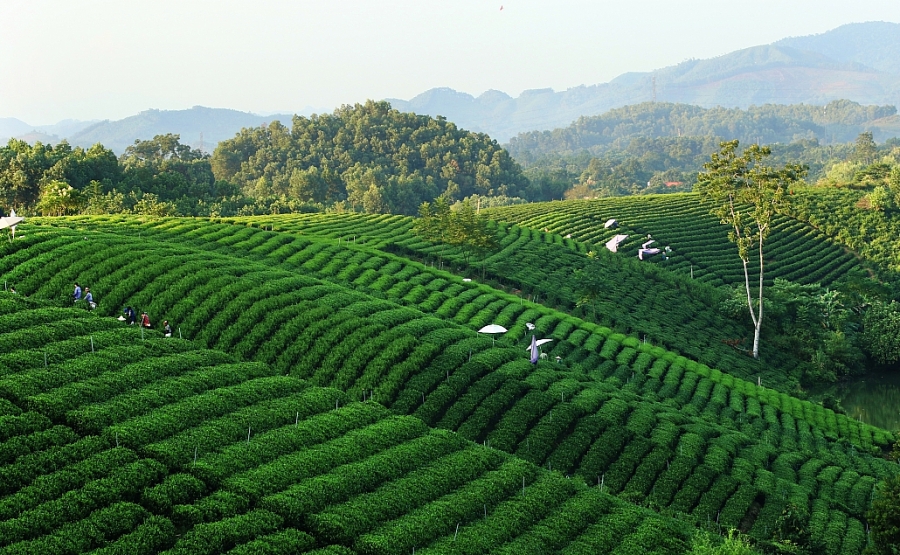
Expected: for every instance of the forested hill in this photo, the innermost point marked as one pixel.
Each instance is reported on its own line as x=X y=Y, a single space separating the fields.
x=875 y=44
x=371 y=157
x=838 y=122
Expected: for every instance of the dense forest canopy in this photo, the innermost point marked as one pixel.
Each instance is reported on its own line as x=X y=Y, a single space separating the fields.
x=370 y=158
x=839 y=121
x=660 y=147
x=160 y=176
x=25 y=168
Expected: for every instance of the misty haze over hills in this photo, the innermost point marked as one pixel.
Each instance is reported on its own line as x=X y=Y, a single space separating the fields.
x=859 y=62
x=198 y=127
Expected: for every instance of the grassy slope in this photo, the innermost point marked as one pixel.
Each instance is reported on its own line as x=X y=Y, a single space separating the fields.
x=732 y=423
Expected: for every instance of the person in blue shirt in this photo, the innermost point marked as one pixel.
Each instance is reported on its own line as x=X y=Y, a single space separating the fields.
x=89 y=299
x=77 y=293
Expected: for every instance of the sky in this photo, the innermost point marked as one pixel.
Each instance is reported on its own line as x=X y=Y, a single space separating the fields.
x=109 y=59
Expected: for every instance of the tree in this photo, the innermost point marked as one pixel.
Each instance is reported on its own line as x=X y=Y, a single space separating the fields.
x=865 y=149
x=433 y=223
x=462 y=228
x=590 y=283
x=746 y=194
x=58 y=198
x=881 y=199
x=149 y=204
x=884 y=518
x=881 y=331
x=470 y=232
x=733 y=544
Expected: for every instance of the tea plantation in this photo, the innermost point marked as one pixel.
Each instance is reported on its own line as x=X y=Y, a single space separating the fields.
x=325 y=391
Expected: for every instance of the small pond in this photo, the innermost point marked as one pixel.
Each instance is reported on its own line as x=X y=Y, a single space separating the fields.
x=874 y=398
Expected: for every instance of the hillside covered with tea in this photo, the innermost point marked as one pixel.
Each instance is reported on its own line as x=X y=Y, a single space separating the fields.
x=325 y=390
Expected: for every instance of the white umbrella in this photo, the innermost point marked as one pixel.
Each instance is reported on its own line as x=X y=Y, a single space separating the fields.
x=492 y=329
x=10 y=222
x=539 y=342
x=613 y=244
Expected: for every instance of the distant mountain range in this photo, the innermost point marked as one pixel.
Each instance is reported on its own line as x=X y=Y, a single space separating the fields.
x=859 y=62
x=199 y=127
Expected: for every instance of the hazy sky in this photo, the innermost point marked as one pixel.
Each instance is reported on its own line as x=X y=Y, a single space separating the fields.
x=108 y=59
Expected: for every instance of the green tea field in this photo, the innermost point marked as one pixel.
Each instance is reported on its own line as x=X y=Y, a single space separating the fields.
x=326 y=391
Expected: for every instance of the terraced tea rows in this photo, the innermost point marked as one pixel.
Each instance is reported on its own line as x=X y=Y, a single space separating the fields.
x=447 y=303
x=795 y=251
x=636 y=299
x=441 y=373
x=200 y=454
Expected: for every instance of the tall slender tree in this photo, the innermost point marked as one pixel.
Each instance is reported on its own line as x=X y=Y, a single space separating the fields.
x=746 y=194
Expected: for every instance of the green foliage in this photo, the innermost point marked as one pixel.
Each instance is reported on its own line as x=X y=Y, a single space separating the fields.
x=733 y=544
x=769 y=123
x=881 y=199
x=746 y=196
x=462 y=228
x=660 y=147
x=371 y=157
x=792 y=530
x=820 y=325
x=274 y=452
x=865 y=150
x=884 y=518
x=58 y=198
x=881 y=331
x=25 y=169
x=155 y=177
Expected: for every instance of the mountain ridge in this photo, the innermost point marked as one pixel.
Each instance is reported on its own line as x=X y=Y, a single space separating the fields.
x=858 y=62
x=198 y=126
x=794 y=70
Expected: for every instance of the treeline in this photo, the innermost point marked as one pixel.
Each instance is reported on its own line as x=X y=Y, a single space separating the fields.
x=156 y=177
x=660 y=147
x=368 y=158
x=372 y=158
x=838 y=122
